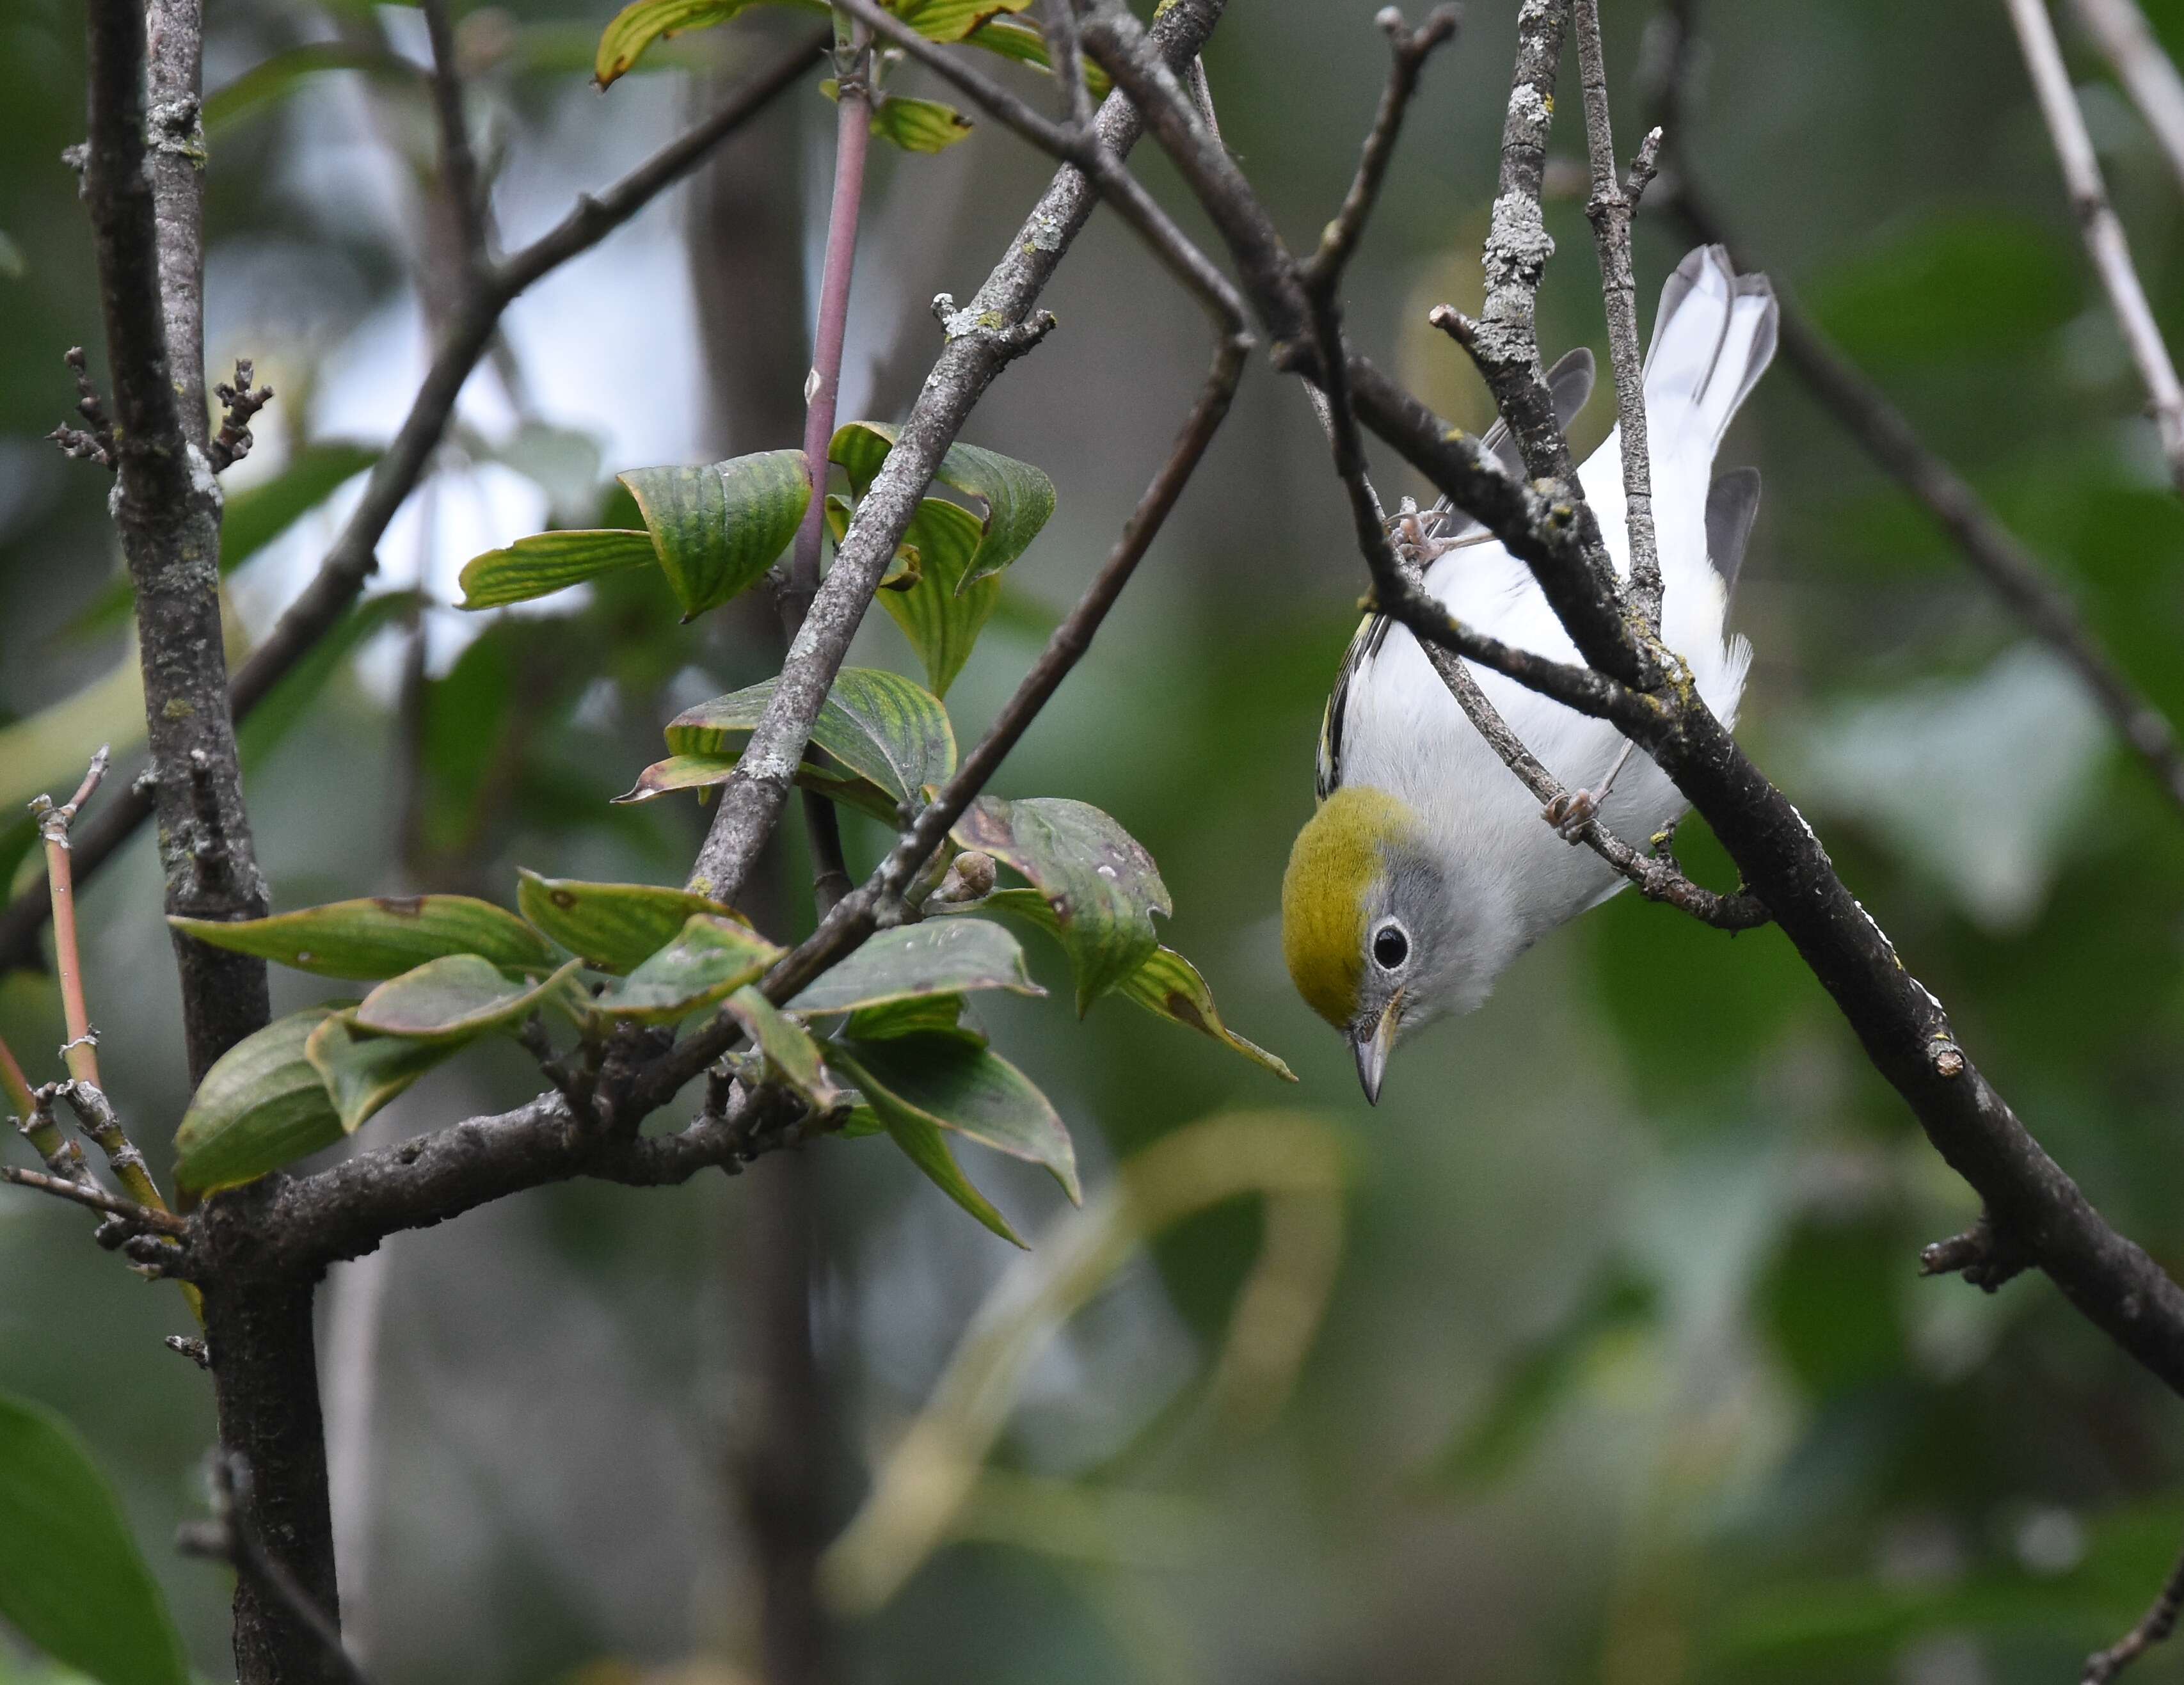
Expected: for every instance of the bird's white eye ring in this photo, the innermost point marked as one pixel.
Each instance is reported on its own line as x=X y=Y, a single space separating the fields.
x=1391 y=946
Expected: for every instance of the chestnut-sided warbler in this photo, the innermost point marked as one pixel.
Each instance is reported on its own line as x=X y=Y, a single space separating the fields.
x=1428 y=867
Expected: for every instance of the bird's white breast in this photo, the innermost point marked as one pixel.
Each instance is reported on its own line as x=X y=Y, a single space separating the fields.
x=1403 y=733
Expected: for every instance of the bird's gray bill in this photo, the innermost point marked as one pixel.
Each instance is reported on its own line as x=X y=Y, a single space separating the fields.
x=1373 y=1046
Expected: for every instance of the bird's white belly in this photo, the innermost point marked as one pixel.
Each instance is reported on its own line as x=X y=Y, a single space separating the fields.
x=1405 y=734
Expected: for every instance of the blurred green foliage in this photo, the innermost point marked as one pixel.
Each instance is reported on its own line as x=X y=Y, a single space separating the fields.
x=1627 y=1374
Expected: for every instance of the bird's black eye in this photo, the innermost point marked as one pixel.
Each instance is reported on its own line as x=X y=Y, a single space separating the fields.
x=1391 y=946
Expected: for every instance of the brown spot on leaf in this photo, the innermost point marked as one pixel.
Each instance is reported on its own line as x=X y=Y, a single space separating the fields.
x=1180 y=1006
x=563 y=899
x=402 y=906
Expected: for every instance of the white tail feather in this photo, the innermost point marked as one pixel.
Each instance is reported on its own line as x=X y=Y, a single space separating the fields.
x=1712 y=339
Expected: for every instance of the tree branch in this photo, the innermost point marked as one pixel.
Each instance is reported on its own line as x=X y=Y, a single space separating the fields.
x=822 y=394
x=750 y=803
x=459 y=167
x=1901 y=1024
x=877 y=901
x=1610 y=210
x=2152 y=1628
x=2135 y=54
x=354 y=556
x=151 y=263
x=2015 y=574
x=1409 y=49
x=141 y=1218
x=2105 y=241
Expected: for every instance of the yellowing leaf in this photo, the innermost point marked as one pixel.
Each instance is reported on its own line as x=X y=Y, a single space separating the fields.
x=546 y=562
x=382 y=936
x=454 y=999
x=718 y=528
x=262 y=1105
x=363 y=1072
x=614 y=926
x=710 y=960
x=637 y=25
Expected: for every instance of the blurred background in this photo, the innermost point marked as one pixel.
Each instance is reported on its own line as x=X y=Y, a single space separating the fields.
x=1598 y=1351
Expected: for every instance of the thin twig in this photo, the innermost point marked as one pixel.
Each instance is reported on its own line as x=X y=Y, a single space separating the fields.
x=15 y=1086
x=61 y=1152
x=96 y=1198
x=95 y=1112
x=239 y=404
x=1900 y=1023
x=1409 y=49
x=852 y=128
x=1185 y=259
x=1863 y=410
x=879 y=899
x=354 y=556
x=80 y=1050
x=230 y=1536
x=751 y=802
x=459 y=167
x=93 y=441
x=1610 y=210
x=2105 y=240
x=2152 y=1627
x=2148 y=72
x=1066 y=56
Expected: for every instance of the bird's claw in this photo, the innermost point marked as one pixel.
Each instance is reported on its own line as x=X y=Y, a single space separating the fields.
x=1570 y=813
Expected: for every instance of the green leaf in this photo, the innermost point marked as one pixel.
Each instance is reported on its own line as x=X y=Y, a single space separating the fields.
x=614 y=926
x=938 y=957
x=456 y=998
x=1171 y=986
x=914 y=1015
x=1097 y=880
x=953 y=19
x=382 y=936
x=710 y=960
x=886 y=728
x=547 y=562
x=790 y=1052
x=901 y=573
x=703 y=772
x=958 y=1083
x=1018 y=497
x=637 y=25
x=254 y=517
x=717 y=528
x=940 y=618
x=925 y=1145
x=72 y=1581
x=262 y=1105
x=272 y=79
x=362 y=1072
x=1025 y=43
x=286 y=704
x=920 y=124
x=1167 y=984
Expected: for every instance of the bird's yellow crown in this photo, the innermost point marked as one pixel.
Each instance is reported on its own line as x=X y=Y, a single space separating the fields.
x=1338 y=854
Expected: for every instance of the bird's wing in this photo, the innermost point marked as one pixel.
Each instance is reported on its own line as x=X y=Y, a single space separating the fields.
x=1371 y=633
x=1732 y=504
x=1570 y=381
